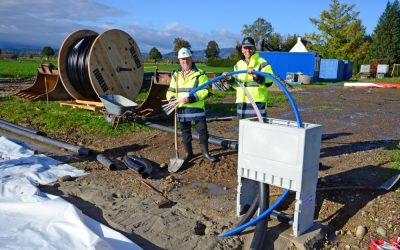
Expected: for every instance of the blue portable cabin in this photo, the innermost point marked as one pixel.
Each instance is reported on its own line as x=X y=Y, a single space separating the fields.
x=331 y=69
x=348 y=69
x=282 y=63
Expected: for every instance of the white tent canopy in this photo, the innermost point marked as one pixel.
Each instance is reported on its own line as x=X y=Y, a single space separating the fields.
x=299 y=46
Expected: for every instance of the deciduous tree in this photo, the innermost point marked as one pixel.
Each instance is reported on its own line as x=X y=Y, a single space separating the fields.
x=274 y=43
x=260 y=30
x=180 y=43
x=212 y=50
x=236 y=54
x=154 y=54
x=341 y=33
x=47 y=51
x=288 y=42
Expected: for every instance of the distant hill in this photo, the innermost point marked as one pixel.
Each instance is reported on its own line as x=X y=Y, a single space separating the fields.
x=18 y=50
x=197 y=54
x=201 y=54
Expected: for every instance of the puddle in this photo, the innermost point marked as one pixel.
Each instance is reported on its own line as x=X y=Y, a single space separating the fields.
x=331 y=91
x=212 y=189
x=283 y=116
x=335 y=84
x=366 y=147
x=305 y=94
x=302 y=109
x=349 y=117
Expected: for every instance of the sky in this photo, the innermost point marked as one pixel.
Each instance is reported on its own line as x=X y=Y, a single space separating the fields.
x=39 y=23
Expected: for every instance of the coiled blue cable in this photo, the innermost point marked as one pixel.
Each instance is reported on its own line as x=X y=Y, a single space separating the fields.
x=257 y=219
x=269 y=76
x=299 y=125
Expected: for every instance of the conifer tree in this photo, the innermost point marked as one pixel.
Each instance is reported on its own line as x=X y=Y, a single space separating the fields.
x=385 y=44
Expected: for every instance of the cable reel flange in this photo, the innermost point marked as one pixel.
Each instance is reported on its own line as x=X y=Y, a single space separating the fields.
x=114 y=65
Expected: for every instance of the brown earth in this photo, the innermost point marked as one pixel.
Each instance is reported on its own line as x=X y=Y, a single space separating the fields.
x=359 y=126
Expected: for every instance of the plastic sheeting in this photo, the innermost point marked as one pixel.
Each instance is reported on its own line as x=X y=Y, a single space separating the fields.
x=34 y=220
x=372 y=84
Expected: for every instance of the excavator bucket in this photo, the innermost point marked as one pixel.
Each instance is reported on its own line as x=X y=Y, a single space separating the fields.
x=47 y=86
x=151 y=106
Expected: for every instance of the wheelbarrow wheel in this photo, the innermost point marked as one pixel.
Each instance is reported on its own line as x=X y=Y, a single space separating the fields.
x=109 y=117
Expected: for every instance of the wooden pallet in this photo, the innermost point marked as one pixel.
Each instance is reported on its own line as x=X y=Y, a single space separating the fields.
x=81 y=104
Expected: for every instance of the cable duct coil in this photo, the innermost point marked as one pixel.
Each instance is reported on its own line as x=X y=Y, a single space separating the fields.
x=93 y=65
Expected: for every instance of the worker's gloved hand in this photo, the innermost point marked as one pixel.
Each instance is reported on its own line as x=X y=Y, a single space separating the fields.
x=227 y=77
x=192 y=99
x=250 y=71
x=185 y=100
x=189 y=99
x=172 y=99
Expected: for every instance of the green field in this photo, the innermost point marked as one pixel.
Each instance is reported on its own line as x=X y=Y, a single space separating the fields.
x=27 y=68
x=171 y=67
x=20 y=68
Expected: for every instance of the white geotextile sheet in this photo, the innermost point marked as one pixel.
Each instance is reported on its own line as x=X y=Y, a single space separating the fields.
x=360 y=84
x=30 y=219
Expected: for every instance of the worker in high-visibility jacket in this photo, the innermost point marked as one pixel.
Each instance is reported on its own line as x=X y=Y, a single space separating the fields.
x=254 y=84
x=191 y=108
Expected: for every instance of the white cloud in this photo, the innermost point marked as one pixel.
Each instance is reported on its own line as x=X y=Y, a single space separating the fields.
x=47 y=23
x=78 y=10
x=163 y=39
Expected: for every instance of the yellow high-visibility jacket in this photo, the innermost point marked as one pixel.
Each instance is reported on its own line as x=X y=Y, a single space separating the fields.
x=258 y=90
x=195 y=78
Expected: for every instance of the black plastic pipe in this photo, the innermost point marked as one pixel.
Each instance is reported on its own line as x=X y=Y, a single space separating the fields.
x=148 y=167
x=106 y=162
x=140 y=165
x=250 y=212
x=275 y=215
x=132 y=165
x=261 y=228
x=22 y=128
x=281 y=217
x=46 y=140
x=212 y=139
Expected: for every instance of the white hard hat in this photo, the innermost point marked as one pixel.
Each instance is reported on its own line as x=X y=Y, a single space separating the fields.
x=183 y=53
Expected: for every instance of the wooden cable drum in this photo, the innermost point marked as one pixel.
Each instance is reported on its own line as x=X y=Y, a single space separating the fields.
x=93 y=65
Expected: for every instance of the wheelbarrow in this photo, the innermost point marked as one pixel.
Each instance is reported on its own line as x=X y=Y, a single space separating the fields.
x=117 y=107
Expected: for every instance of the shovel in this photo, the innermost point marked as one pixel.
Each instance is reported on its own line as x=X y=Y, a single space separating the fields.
x=387 y=185
x=175 y=163
x=390 y=182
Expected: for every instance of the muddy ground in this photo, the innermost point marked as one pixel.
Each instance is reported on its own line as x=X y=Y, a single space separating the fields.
x=359 y=125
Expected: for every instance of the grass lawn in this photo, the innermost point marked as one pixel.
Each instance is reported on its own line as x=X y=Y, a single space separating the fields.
x=170 y=67
x=20 y=68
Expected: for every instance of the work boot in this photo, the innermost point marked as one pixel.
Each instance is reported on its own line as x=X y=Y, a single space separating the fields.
x=189 y=151
x=206 y=155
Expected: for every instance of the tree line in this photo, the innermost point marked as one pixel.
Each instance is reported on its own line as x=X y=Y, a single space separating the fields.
x=340 y=35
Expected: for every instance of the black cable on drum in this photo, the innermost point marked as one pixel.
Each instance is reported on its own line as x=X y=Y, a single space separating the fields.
x=77 y=67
